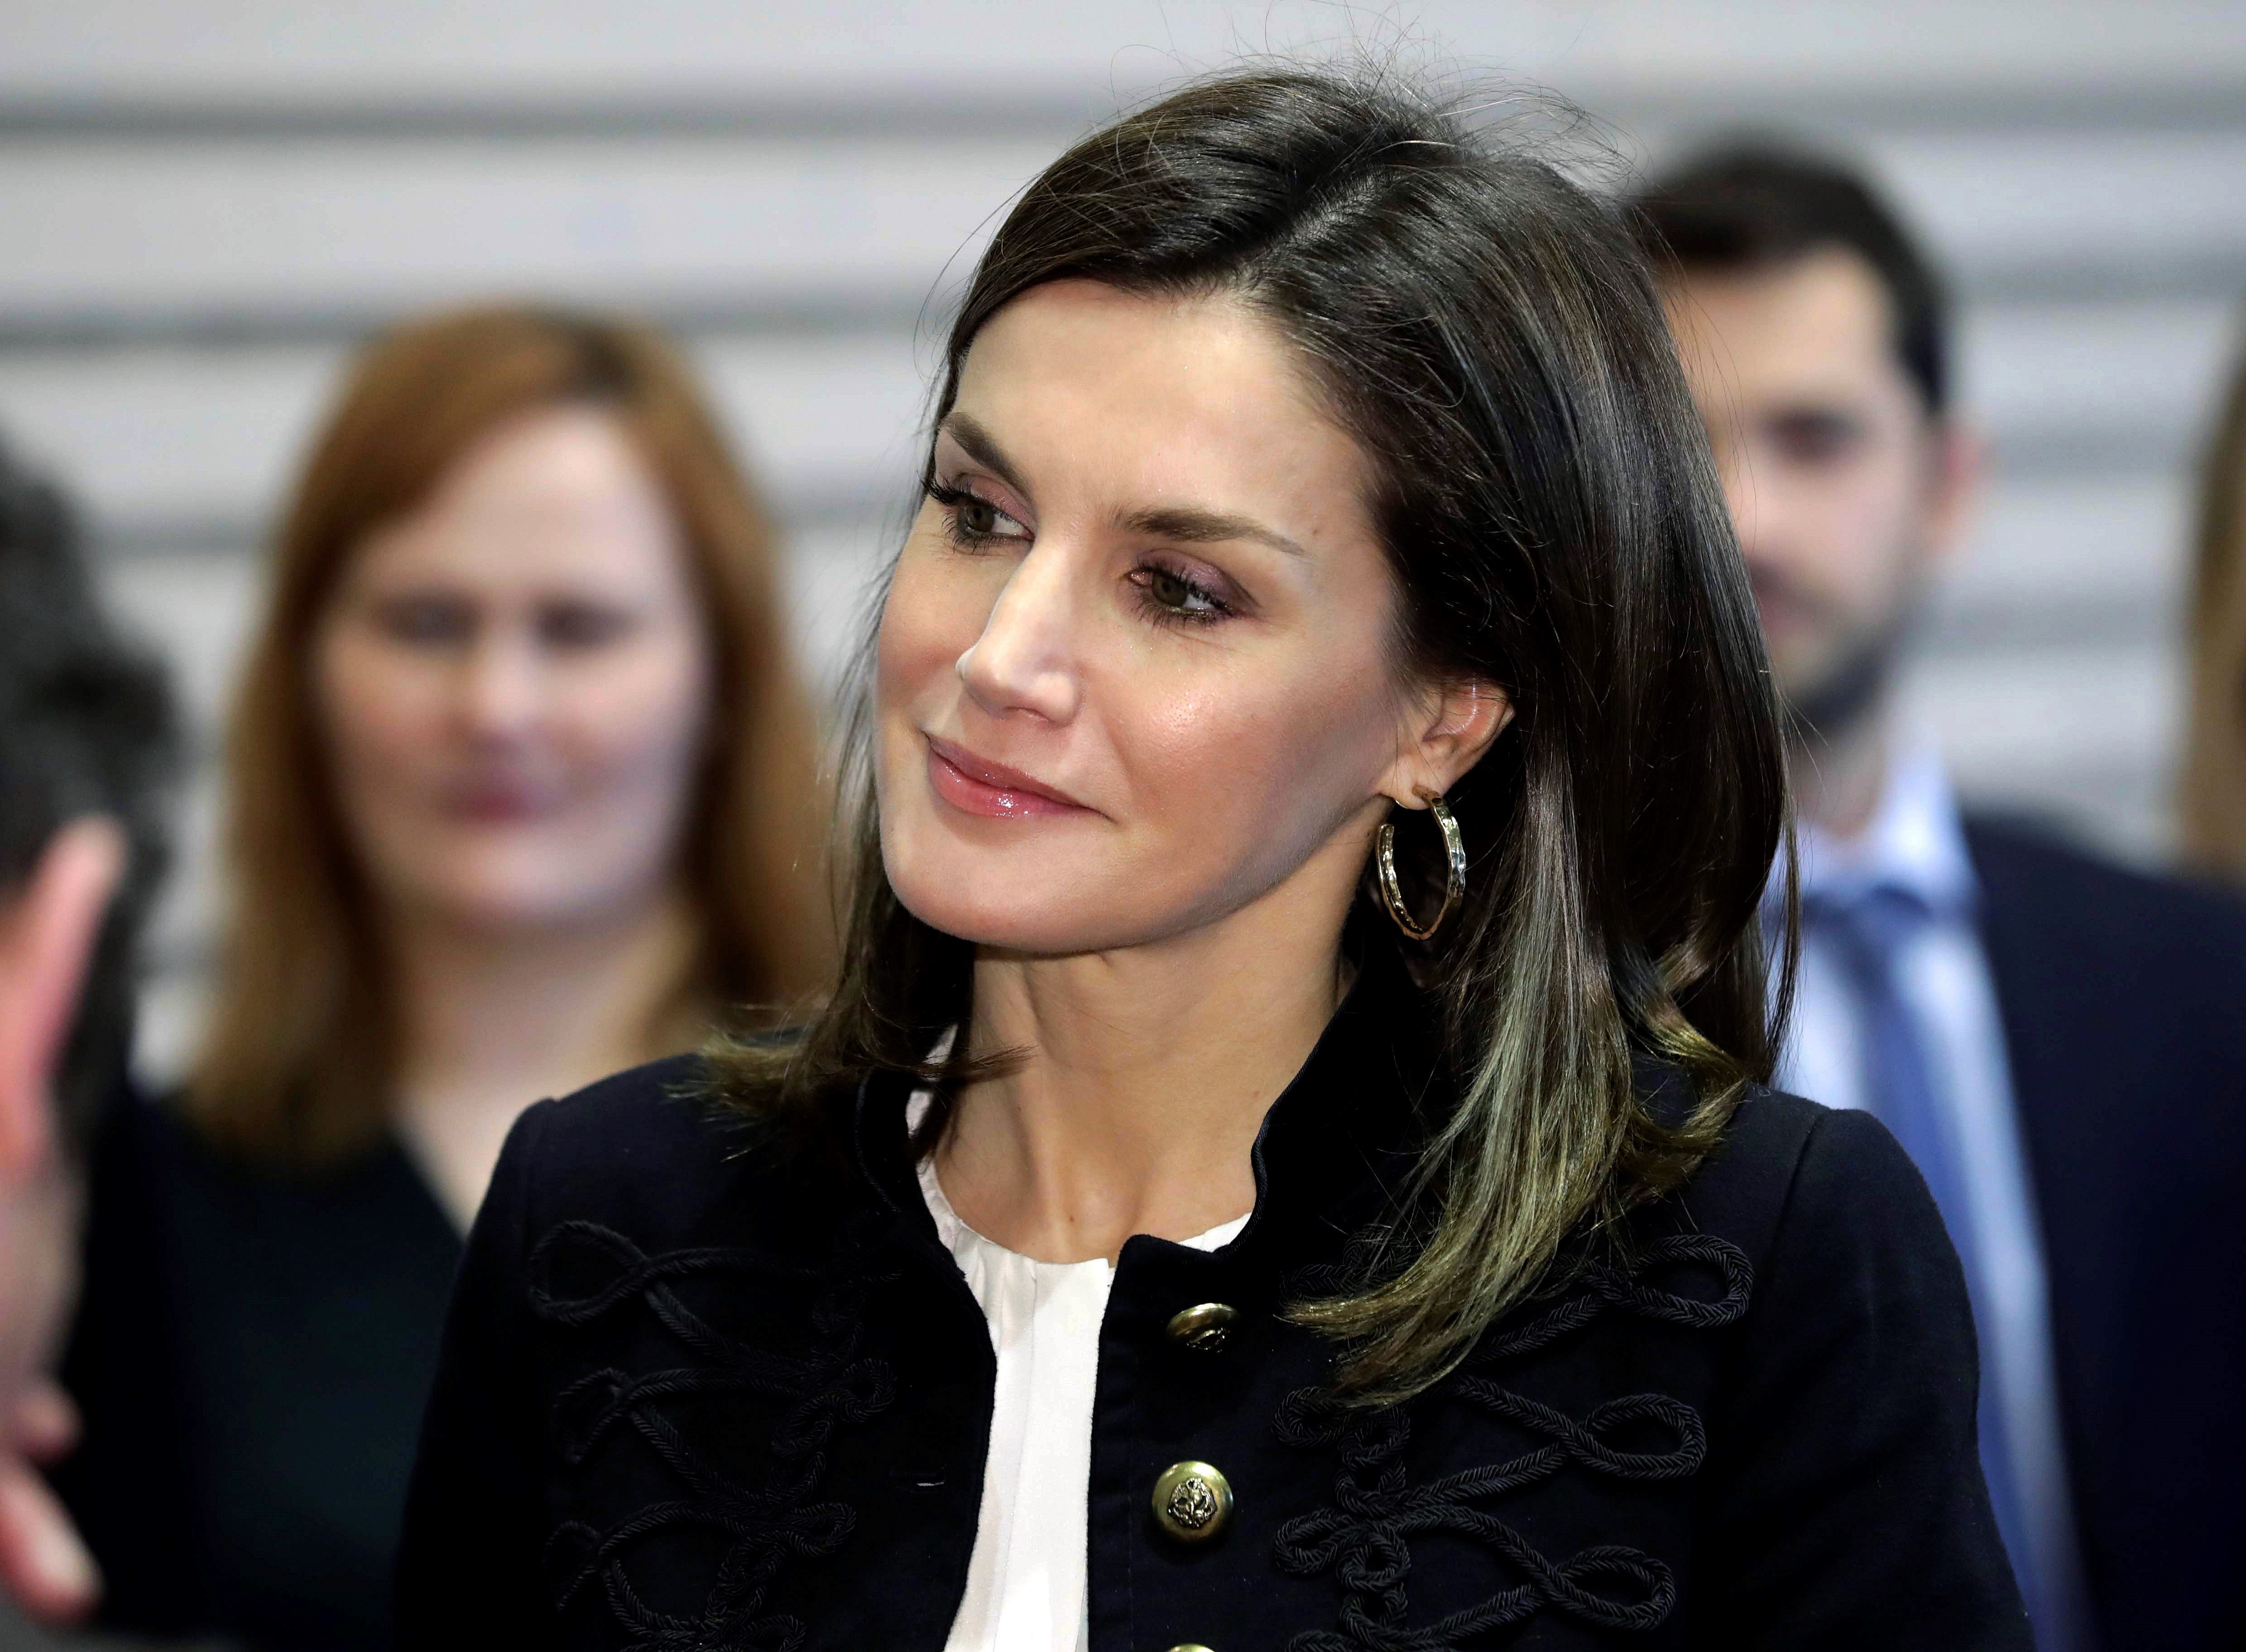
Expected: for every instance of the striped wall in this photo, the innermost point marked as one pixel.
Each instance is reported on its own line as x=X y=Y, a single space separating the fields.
x=205 y=206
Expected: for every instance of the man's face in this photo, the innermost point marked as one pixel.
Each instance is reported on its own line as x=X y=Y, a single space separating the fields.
x=1845 y=493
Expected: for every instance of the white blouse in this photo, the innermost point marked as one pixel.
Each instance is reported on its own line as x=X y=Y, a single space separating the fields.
x=1025 y=1590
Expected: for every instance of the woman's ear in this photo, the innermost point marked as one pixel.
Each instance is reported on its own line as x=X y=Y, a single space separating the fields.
x=1447 y=734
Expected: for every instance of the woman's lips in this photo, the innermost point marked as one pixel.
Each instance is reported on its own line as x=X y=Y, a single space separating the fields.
x=976 y=785
x=498 y=805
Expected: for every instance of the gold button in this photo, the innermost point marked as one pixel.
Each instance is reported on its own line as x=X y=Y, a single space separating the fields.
x=1204 y=1327
x=1193 y=1502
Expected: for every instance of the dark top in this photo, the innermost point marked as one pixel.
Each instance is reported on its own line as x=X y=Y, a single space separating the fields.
x=696 y=1393
x=252 y=1354
x=19 y=1633
x=2123 y=999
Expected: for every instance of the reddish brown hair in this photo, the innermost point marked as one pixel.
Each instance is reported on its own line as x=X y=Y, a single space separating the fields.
x=2215 y=756
x=301 y=1055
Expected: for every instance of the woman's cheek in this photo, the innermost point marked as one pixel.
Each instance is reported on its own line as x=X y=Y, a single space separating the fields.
x=381 y=719
x=647 y=713
x=1273 y=751
x=1246 y=730
x=925 y=628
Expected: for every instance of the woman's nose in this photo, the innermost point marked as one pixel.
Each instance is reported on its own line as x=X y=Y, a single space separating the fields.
x=1025 y=660
x=499 y=687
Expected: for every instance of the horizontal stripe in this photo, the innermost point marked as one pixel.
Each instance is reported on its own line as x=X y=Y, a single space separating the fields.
x=754 y=113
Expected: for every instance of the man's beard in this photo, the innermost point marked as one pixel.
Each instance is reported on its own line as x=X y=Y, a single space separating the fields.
x=1823 y=713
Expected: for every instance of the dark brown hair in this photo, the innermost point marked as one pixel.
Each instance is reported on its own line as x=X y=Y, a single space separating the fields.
x=2214 y=803
x=298 y=1062
x=1488 y=333
x=1750 y=204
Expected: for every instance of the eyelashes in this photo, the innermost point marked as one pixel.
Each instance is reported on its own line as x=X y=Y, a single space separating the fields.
x=1167 y=594
x=970 y=520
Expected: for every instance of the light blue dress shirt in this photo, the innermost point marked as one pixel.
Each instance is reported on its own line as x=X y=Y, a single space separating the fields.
x=1917 y=843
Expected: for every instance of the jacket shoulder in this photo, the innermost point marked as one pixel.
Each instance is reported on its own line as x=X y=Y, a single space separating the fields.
x=2033 y=880
x=654 y=1153
x=1745 y=1179
x=659 y=1108
x=2117 y=990
x=1787 y=1165
x=1769 y=1129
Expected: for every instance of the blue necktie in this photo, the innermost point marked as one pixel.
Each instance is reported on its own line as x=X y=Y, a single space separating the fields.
x=1869 y=930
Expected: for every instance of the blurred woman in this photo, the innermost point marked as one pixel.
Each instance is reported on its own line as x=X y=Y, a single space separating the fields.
x=2214 y=759
x=522 y=791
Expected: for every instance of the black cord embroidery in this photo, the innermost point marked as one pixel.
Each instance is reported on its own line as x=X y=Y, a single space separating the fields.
x=1365 y=1539
x=763 y=1525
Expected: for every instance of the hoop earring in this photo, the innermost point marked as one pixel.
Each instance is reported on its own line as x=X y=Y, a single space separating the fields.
x=1454 y=886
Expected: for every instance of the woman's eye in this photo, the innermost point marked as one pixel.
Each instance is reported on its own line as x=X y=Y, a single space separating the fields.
x=972 y=520
x=578 y=625
x=426 y=622
x=1171 y=594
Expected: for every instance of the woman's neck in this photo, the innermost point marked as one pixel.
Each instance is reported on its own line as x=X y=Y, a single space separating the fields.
x=495 y=1019
x=1146 y=1076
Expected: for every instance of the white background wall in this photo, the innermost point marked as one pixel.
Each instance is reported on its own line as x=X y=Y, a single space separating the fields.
x=204 y=204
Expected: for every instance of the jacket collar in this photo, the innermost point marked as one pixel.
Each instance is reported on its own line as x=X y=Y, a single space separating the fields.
x=1338 y=1146
x=1334 y=1149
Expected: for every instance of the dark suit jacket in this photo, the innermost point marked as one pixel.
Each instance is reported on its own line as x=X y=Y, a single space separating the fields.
x=2124 y=1005
x=695 y=1394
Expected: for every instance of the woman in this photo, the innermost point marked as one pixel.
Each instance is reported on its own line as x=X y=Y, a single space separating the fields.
x=522 y=792
x=1282 y=1165
x=2214 y=759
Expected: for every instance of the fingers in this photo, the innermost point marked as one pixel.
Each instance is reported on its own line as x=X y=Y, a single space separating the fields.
x=43 y=1566
x=45 y=1424
x=46 y=939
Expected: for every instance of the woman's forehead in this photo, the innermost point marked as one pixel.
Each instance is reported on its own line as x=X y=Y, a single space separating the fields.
x=615 y=539
x=1152 y=402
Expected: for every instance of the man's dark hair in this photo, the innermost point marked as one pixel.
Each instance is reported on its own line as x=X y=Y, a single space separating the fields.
x=1749 y=205
x=86 y=727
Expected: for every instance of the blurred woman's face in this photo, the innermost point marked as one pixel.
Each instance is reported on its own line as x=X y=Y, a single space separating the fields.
x=1132 y=671
x=513 y=684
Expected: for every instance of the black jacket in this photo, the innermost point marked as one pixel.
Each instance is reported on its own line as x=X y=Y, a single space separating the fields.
x=251 y=1357
x=696 y=1394
x=2124 y=1005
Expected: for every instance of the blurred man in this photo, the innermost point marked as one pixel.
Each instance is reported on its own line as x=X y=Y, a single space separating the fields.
x=2055 y=1040
x=85 y=749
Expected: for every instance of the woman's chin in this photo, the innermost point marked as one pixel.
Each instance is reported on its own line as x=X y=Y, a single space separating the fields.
x=498 y=906
x=1020 y=917
x=1012 y=927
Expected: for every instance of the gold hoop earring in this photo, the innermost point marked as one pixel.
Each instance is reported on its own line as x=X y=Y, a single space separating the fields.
x=1454 y=886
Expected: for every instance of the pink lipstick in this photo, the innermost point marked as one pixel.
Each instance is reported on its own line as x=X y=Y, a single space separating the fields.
x=976 y=785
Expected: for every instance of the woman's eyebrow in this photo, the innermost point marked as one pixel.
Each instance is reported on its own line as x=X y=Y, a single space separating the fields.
x=1186 y=523
x=1191 y=526
x=982 y=448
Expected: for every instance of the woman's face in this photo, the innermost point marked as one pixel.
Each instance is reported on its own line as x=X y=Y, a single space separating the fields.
x=513 y=684
x=1133 y=672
